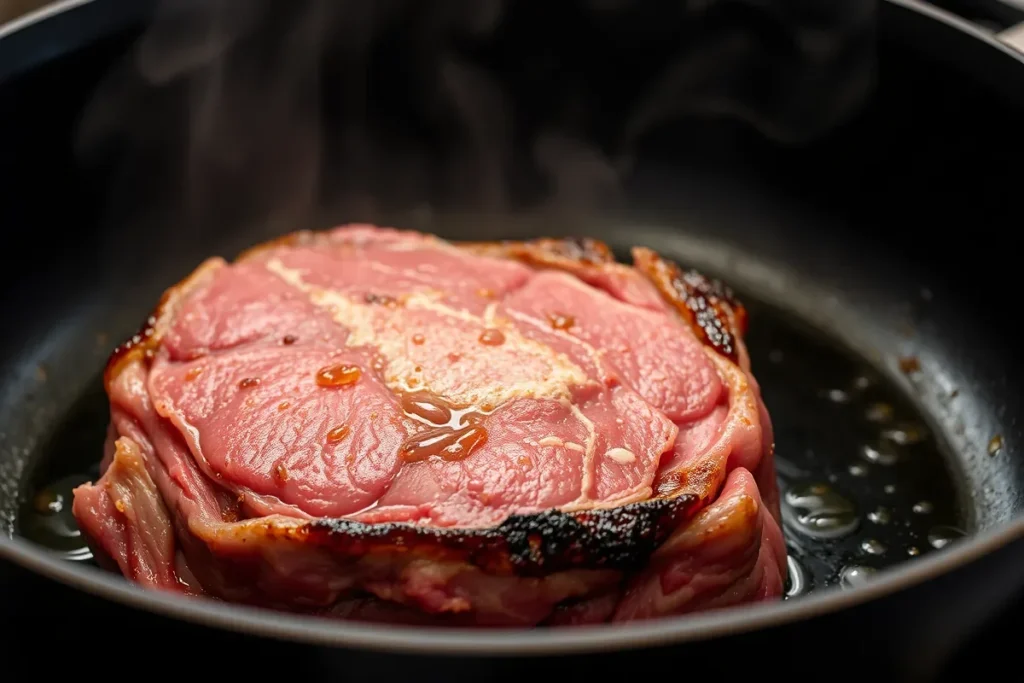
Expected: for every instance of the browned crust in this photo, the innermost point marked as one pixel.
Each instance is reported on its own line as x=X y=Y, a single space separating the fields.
x=713 y=312
x=620 y=538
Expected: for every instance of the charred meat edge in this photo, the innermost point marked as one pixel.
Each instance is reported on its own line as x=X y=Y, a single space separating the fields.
x=620 y=538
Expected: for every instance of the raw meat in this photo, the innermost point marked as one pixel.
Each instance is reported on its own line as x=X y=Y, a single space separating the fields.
x=378 y=424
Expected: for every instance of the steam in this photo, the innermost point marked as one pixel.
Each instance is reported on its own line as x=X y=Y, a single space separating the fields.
x=247 y=118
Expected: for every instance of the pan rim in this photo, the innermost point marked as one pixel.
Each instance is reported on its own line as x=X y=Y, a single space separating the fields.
x=673 y=630
x=736 y=620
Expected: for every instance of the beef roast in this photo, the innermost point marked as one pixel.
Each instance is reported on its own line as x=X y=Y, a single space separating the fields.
x=379 y=424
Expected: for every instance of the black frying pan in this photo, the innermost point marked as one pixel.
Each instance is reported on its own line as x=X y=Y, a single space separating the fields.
x=874 y=261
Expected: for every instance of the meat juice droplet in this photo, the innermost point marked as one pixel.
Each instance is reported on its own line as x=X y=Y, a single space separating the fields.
x=424 y=407
x=445 y=442
x=249 y=383
x=492 y=337
x=418 y=339
x=338 y=375
x=819 y=512
x=560 y=321
x=338 y=433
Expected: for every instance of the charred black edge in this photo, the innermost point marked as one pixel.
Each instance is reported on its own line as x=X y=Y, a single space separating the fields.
x=710 y=307
x=621 y=538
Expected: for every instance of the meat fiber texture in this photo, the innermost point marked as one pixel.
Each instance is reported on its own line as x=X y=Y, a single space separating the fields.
x=378 y=424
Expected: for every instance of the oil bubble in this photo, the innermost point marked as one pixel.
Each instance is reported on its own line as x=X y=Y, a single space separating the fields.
x=906 y=434
x=941 y=536
x=837 y=396
x=796 y=578
x=872 y=547
x=923 y=507
x=819 y=512
x=855 y=576
x=857 y=470
x=913 y=551
x=861 y=383
x=880 y=515
x=880 y=454
x=889 y=488
x=49 y=522
x=879 y=412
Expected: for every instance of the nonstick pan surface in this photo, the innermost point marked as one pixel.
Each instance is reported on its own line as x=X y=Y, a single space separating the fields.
x=870 y=261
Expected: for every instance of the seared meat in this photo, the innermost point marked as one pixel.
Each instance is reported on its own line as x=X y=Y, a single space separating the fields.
x=378 y=424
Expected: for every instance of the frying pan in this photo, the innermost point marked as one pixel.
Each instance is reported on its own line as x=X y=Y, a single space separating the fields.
x=885 y=241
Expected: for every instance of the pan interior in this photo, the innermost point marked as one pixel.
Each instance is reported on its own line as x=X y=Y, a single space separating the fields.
x=877 y=463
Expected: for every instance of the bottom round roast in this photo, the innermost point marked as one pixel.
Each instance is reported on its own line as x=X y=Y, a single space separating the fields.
x=378 y=424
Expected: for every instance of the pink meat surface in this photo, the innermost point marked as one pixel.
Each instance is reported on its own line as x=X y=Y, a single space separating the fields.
x=377 y=424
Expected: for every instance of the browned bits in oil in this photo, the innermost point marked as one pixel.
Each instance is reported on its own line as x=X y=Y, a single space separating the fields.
x=418 y=339
x=560 y=321
x=281 y=472
x=485 y=293
x=119 y=504
x=192 y=374
x=525 y=461
x=284 y=405
x=289 y=339
x=909 y=364
x=338 y=433
x=338 y=375
x=995 y=444
x=445 y=442
x=492 y=337
x=249 y=383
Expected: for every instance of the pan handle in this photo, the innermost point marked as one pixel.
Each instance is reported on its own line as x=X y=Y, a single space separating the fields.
x=1003 y=18
x=1013 y=36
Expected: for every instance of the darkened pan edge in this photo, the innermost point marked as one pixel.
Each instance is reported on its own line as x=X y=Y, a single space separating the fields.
x=518 y=642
